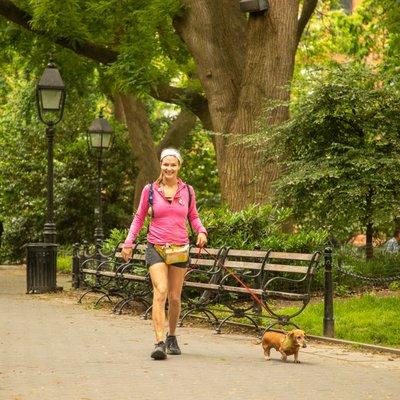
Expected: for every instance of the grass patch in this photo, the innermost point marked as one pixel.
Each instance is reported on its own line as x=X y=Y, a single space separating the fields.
x=367 y=319
x=64 y=264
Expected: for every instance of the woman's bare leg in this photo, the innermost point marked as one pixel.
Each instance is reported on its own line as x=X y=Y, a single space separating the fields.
x=176 y=277
x=159 y=279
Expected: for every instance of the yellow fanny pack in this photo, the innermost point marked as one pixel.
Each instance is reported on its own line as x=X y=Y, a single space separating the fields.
x=173 y=253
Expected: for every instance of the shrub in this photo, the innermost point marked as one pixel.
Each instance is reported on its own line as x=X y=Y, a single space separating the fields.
x=261 y=227
x=256 y=227
x=382 y=266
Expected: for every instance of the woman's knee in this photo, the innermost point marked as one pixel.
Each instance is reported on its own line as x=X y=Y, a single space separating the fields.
x=160 y=293
x=174 y=297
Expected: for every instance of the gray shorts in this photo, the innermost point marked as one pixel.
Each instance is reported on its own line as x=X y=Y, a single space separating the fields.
x=152 y=257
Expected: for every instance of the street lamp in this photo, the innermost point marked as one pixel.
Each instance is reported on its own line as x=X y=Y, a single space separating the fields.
x=41 y=261
x=50 y=99
x=100 y=135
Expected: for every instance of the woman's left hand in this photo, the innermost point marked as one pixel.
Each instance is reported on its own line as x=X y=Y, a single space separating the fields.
x=201 y=239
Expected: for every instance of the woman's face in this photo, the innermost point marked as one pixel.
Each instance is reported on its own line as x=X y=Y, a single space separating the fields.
x=170 y=167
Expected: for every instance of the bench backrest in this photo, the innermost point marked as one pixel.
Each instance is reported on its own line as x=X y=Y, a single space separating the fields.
x=300 y=263
x=254 y=260
x=208 y=259
x=303 y=263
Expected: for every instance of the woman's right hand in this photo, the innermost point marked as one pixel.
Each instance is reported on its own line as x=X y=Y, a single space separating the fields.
x=126 y=253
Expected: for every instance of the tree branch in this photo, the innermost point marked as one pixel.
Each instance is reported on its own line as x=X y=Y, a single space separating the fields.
x=190 y=99
x=306 y=13
x=169 y=94
x=178 y=131
x=85 y=48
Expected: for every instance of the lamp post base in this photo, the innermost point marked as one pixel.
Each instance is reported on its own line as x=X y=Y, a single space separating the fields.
x=41 y=268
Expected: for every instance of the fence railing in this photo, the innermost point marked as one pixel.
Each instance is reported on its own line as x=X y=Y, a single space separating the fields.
x=329 y=268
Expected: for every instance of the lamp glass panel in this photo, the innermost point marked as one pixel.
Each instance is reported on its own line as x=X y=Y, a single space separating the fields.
x=96 y=140
x=50 y=99
x=106 y=140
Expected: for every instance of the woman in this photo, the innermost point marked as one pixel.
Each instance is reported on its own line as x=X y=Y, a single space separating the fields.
x=173 y=203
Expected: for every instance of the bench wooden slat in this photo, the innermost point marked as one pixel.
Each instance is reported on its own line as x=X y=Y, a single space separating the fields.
x=241 y=290
x=201 y=261
x=132 y=277
x=107 y=273
x=290 y=256
x=301 y=269
x=247 y=253
x=89 y=271
x=195 y=250
x=242 y=264
x=201 y=285
x=286 y=295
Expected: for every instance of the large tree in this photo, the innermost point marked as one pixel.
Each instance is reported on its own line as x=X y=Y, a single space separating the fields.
x=241 y=61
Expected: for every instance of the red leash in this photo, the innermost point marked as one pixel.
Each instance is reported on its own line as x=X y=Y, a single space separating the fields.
x=253 y=295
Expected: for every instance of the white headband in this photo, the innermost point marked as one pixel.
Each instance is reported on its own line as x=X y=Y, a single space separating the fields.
x=171 y=152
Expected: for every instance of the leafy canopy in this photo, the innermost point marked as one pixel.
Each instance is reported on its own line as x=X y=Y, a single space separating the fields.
x=340 y=145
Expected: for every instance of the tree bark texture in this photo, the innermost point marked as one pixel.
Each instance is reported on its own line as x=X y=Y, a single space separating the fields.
x=242 y=63
x=141 y=141
x=131 y=111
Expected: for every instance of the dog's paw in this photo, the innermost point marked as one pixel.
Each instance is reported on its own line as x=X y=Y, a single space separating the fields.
x=267 y=358
x=296 y=361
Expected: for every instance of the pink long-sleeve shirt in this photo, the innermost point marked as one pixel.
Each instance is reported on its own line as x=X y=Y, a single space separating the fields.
x=168 y=224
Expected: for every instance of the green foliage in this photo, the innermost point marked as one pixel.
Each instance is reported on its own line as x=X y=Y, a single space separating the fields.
x=200 y=168
x=64 y=264
x=342 y=290
x=384 y=265
x=256 y=227
x=394 y=285
x=341 y=145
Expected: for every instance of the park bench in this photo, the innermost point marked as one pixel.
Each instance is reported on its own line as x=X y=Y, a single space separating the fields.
x=112 y=276
x=277 y=279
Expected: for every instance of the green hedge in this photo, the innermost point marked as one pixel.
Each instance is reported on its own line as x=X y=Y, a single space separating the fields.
x=264 y=227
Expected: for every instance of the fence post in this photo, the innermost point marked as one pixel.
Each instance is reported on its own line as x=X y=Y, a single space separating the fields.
x=329 y=322
x=75 y=266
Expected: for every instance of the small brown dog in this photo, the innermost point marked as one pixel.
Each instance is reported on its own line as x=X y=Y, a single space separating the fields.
x=287 y=344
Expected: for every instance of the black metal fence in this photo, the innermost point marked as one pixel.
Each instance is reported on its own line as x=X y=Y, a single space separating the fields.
x=335 y=272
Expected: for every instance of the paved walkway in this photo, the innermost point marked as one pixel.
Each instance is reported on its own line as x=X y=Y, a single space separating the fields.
x=52 y=348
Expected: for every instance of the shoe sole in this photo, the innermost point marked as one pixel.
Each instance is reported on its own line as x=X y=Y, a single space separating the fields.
x=174 y=353
x=158 y=355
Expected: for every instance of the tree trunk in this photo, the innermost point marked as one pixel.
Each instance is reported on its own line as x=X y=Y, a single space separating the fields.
x=178 y=131
x=142 y=143
x=242 y=65
x=131 y=111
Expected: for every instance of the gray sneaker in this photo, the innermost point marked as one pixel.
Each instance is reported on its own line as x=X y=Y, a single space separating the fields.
x=159 y=352
x=172 y=345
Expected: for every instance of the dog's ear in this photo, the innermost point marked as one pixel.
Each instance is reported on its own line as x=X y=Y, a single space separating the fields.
x=291 y=333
